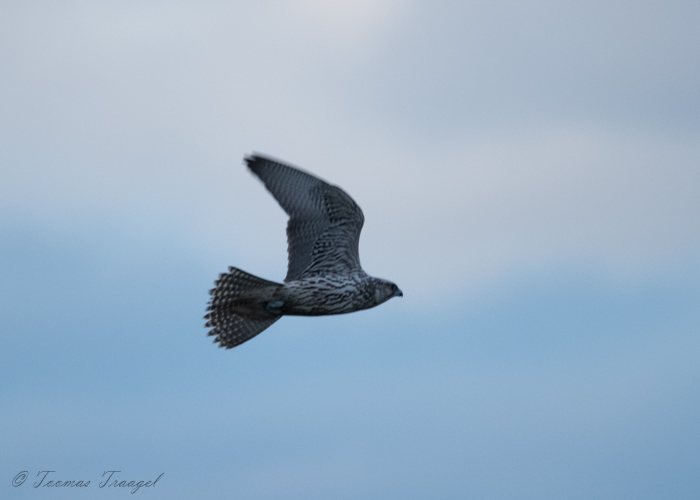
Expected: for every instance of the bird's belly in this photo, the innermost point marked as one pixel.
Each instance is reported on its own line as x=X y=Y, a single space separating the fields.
x=322 y=298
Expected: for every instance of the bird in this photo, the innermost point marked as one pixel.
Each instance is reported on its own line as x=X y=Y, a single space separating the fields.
x=324 y=275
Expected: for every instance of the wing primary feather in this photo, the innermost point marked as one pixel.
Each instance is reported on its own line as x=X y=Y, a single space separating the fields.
x=318 y=213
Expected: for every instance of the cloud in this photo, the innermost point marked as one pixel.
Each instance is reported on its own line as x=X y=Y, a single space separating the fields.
x=529 y=176
x=479 y=139
x=466 y=65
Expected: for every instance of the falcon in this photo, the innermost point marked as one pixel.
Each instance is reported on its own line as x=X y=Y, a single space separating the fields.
x=324 y=275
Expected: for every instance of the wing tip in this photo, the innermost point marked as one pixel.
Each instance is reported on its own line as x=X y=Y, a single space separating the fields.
x=256 y=158
x=252 y=161
x=257 y=162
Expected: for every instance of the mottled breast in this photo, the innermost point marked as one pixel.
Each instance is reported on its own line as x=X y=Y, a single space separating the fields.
x=330 y=294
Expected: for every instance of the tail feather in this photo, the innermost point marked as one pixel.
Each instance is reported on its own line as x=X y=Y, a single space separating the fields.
x=234 y=329
x=233 y=291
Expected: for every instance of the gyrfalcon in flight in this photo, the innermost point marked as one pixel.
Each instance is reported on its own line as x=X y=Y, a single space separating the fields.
x=324 y=275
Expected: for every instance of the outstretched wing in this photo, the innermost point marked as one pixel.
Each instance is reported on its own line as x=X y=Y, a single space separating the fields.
x=324 y=225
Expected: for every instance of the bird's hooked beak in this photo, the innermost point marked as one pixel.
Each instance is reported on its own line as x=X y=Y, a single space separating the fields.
x=398 y=293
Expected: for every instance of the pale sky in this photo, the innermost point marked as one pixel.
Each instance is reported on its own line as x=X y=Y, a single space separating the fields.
x=529 y=173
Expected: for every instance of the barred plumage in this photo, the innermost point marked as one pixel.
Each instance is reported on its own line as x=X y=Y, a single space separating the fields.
x=324 y=275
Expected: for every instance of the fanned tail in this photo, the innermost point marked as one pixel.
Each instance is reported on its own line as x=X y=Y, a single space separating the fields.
x=236 y=312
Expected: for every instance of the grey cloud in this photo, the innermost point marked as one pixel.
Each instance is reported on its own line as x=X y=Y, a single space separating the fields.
x=484 y=136
x=468 y=64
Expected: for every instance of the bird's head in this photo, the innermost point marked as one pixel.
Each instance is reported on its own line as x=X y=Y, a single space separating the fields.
x=384 y=290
